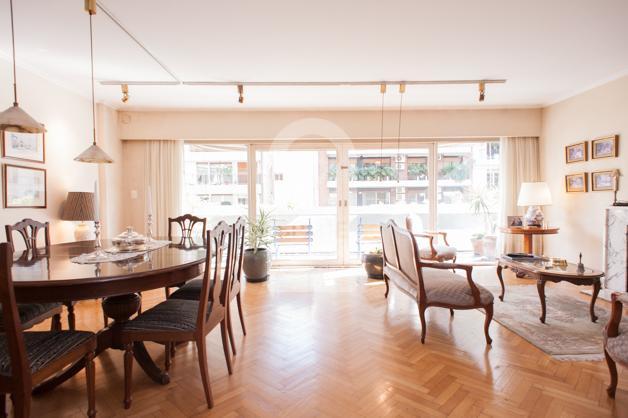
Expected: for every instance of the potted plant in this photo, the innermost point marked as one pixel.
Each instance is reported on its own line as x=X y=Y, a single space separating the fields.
x=484 y=243
x=256 y=256
x=373 y=263
x=477 y=242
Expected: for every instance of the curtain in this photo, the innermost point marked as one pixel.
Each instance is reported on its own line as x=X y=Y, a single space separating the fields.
x=519 y=164
x=163 y=161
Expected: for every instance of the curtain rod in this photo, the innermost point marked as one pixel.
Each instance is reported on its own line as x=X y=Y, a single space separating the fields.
x=301 y=83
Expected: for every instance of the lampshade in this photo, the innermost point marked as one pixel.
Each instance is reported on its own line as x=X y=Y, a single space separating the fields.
x=79 y=206
x=94 y=154
x=16 y=119
x=534 y=194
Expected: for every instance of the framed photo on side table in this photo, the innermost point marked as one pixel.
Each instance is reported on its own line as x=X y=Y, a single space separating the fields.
x=575 y=183
x=24 y=187
x=24 y=146
x=515 y=221
x=576 y=152
x=605 y=147
x=603 y=180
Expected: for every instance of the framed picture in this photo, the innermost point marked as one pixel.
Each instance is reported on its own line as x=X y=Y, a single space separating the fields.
x=24 y=146
x=577 y=182
x=24 y=187
x=603 y=180
x=605 y=147
x=515 y=221
x=576 y=152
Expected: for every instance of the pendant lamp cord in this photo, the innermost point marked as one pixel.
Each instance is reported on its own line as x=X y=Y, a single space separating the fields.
x=399 y=137
x=381 y=138
x=91 y=49
x=13 y=44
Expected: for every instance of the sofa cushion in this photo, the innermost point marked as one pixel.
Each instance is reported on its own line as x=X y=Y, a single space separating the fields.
x=617 y=347
x=443 y=286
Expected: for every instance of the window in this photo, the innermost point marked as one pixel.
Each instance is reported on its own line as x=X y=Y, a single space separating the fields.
x=492 y=179
x=202 y=173
x=492 y=150
x=221 y=173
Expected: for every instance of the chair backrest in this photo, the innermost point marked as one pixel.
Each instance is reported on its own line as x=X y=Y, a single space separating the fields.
x=216 y=283
x=239 y=232
x=11 y=319
x=186 y=224
x=407 y=253
x=414 y=224
x=28 y=229
x=388 y=244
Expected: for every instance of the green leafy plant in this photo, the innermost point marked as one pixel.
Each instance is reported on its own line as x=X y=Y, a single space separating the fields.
x=481 y=202
x=260 y=231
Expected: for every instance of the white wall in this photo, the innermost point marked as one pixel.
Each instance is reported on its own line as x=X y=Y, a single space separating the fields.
x=68 y=121
x=598 y=112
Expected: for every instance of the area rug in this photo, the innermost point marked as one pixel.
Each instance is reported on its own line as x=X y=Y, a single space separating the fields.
x=568 y=333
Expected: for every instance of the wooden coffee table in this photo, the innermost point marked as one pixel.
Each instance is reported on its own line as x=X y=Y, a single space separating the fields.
x=535 y=269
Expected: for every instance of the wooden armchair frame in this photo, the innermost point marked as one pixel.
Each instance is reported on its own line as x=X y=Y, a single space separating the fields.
x=612 y=331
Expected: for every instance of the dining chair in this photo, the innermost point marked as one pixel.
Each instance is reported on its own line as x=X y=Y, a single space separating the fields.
x=430 y=283
x=616 y=340
x=28 y=358
x=31 y=314
x=181 y=320
x=186 y=224
x=438 y=248
x=192 y=289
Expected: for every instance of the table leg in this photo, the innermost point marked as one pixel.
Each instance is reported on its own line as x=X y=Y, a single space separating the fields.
x=527 y=243
x=540 y=285
x=596 y=291
x=501 y=281
x=148 y=365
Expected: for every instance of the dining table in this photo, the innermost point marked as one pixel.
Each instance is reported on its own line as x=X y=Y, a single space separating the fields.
x=50 y=275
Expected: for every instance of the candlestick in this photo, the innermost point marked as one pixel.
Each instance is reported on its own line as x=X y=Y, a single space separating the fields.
x=149 y=228
x=99 y=253
x=149 y=201
x=96 y=203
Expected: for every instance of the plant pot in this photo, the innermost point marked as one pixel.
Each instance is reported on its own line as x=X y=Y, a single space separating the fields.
x=374 y=265
x=478 y=246
x=255 y=265
x=490 y=244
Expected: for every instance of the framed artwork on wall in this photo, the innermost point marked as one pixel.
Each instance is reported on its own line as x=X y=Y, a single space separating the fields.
x=575 y=183
x=24 y=146
x=576 y=152
x=605 y=147
x=24 y=187
x=603 y=180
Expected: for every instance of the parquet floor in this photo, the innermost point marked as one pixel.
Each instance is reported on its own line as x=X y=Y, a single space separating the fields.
x=325 y=342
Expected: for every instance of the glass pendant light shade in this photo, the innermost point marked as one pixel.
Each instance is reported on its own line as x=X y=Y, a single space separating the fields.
x=17 y=120
x=94 y=154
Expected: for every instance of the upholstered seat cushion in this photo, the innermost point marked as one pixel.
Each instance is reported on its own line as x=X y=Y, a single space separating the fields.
x=170 y=315
x=443 y=286
x=44 y=347
x=30 y=311
x=443 y=252
x=617 y=347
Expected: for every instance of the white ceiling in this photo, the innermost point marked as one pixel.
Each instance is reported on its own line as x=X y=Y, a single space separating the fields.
x=548 y=50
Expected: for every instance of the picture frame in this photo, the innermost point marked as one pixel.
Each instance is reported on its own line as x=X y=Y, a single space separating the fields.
x=577 y=183
x=605 y=147
x=24 y=146
x=24 y=187
x=578 y=152
x=603 y=180
x=515 y=221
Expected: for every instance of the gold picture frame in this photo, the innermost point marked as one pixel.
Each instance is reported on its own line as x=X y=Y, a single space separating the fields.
x=577 y=183
x=603 y=180
x=605 y=147
x=578 y=152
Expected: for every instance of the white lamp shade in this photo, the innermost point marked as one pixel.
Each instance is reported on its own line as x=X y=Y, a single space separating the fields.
x=534 y=194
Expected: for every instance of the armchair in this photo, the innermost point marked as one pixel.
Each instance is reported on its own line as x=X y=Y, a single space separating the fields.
x=616 y=340
x=437 y=248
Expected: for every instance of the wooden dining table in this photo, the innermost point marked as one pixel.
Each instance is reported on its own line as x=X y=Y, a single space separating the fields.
x=49 y=275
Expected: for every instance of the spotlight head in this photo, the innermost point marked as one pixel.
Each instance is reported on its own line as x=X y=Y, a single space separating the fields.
x=125 y=93
x=240 y=93
x=482 y=89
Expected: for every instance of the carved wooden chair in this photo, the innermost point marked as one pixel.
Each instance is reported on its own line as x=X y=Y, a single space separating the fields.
x=180 y=320
x=616 y=340
x=430 y=284
x=437 y=249
x=192 y=289
x=33 y=313
x=28 y=358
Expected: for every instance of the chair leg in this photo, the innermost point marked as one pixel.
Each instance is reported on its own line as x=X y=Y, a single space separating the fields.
x=167 y=290
x=71 y=316
x=239 y=302
x=55 y=325
x=168 y=355
x=128 y=374
x=202 y=363
x=422 y=309
x=90 y=375
x=387 y=286
x=105 y=319
x=487 y=322
x=612 y=368
x=3 y=405
x=225 y=344
x=451 y=312
x=21 y=404
x=230 y=330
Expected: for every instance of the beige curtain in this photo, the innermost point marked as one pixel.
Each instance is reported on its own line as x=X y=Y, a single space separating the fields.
x=164 y=175
x=519 y=163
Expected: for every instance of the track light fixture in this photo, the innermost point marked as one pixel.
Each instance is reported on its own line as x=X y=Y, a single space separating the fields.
x=125 y=93
x=241 y=93
x=482 y=88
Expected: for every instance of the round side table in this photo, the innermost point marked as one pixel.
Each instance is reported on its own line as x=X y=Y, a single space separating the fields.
x=528 y=233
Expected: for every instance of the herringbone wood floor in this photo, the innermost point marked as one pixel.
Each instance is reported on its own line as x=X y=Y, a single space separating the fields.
x=326 y=343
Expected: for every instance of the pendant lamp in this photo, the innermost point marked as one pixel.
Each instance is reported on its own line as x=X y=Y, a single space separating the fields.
x=15 y=118
x=93 y=154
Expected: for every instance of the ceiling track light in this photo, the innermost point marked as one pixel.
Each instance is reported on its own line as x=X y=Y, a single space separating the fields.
x=125 y=93
x=482 y=89
x=240 y=93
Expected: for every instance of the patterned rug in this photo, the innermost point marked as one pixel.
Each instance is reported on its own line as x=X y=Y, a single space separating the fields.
x=568 y=333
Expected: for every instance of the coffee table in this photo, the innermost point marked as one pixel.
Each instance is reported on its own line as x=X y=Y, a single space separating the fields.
x=536 y=269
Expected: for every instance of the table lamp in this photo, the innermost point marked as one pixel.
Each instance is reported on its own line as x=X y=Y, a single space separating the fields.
x=79 y=206
x=534 y=195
